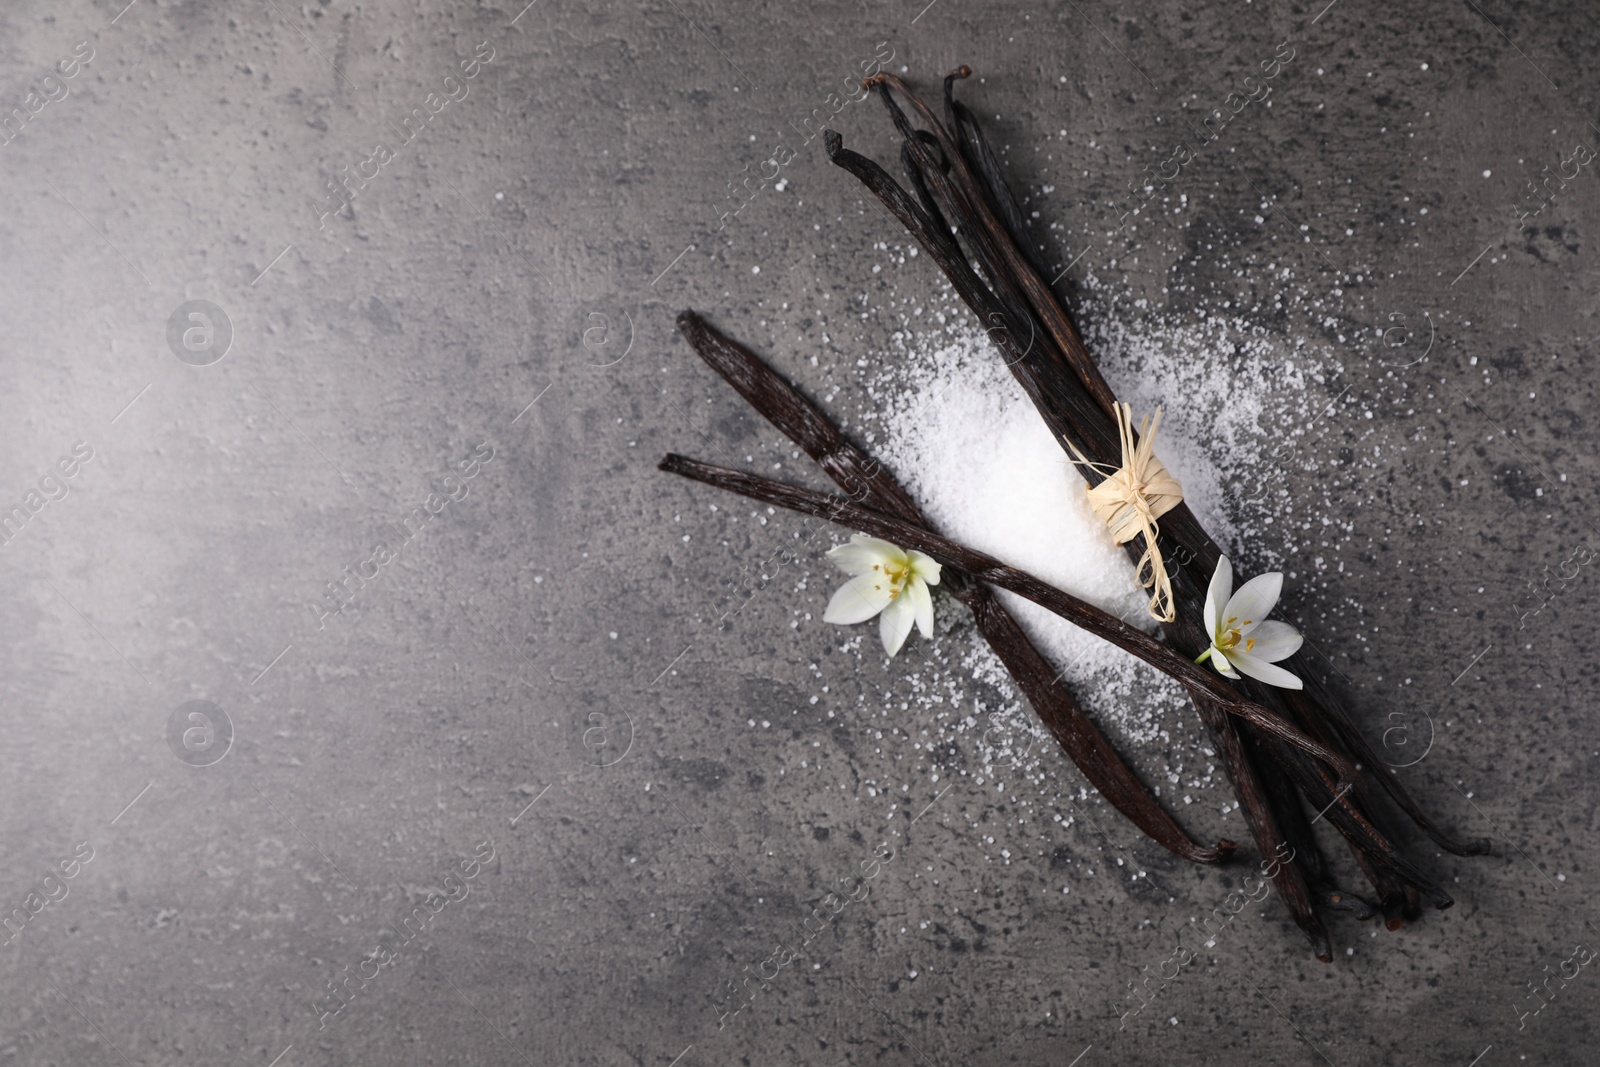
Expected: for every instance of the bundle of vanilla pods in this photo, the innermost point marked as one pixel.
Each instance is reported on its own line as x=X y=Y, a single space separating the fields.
x=1292 y=756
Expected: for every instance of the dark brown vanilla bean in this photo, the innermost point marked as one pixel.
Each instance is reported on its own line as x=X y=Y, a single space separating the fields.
x=1068 y=411
x=1029 y=273
x=958 y=184
x=1289 y=875
x=1078 y=735
x=986 y=168
x=975 y=146
x=866 y=481
x=1286 y=804
x=1192 y=676
x=1246 y=759
x=1005 y=258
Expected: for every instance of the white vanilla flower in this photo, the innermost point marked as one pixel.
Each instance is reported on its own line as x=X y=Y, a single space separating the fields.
x=886 y=581
x=1241 y=634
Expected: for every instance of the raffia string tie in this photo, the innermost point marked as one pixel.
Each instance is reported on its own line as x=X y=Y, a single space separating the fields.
x=1133 y=497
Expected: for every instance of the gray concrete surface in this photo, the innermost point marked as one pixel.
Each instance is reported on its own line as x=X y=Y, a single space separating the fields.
x=538 y=691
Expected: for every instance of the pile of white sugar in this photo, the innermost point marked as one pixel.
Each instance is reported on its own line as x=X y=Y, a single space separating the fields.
x=959 y=432
x=979 y=459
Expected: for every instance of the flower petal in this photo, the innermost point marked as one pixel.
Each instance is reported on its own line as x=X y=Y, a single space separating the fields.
x=858 y=600
x=1263 y=671
x=860 y=553
x=922 y=604
x=1271 y=641
x=1217 y=595
x=1253 y=602
x=1220 y=662
x=924 y=566
x=895 y=623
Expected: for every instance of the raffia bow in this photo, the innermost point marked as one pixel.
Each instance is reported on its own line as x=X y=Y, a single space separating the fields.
x=1131 y=499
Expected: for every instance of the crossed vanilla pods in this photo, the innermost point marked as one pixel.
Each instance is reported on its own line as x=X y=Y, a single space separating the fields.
x=1287 y=752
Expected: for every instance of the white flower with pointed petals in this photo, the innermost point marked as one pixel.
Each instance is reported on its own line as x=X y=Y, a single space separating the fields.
x=886 y=581
x=1241 y=634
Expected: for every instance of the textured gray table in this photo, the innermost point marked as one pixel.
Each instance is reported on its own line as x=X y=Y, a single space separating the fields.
x=528 y=797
